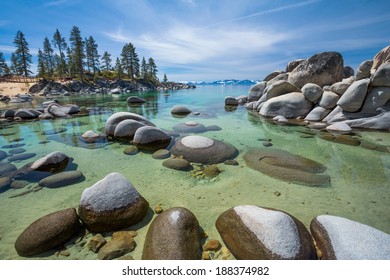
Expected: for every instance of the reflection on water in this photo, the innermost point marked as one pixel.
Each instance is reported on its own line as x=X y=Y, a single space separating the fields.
x=360 y=175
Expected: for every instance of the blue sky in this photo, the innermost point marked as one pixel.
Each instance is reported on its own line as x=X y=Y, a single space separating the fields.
x=204 y=39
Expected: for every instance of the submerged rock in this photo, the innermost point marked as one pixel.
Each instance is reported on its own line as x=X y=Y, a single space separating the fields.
x=343 y=239
x=62 y=179
x=251 y=232
x=116 y=118
x=151 y=138
x=190 y=127
x=126 y=129
x=180 y=110
x=53 y=162
x=111 y=204
x=135 y=100
x=177 y=164
x=203 y=150
x=288 y=167
x=122 y=242
x=48 y=232
x=173 y=235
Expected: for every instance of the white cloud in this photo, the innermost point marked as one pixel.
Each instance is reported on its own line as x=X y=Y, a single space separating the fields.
x=10 y=49
x=54 y=3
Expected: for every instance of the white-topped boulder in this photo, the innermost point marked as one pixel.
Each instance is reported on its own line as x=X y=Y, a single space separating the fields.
x=111 y=204
x=343 y=239
x=204 y=150
x=251 y=232
x=53 y=162
x=340 y=127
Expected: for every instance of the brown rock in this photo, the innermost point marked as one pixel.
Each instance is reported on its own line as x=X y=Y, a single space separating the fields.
x=96 y=243
x=122 y=242
x=173 y=235
x=212 y=245
x=48 y=232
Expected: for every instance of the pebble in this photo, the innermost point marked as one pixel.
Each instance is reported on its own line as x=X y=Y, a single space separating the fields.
x=212 y=245
x=158 y=209
x=277 y=193
x=131 y=151
x=267 y=144
x=206 y=255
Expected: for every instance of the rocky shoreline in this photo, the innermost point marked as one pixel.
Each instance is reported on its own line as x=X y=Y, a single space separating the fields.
x=324 y=93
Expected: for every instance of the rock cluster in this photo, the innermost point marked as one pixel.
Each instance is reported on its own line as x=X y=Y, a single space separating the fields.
x=321 y=89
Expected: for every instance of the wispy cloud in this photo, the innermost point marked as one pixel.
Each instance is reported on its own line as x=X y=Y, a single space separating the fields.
x=54 y=3
x=269 y=11
x=10 y=49
x=4 y=22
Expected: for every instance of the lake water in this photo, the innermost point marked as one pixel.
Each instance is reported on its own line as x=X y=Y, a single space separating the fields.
x=360 y=177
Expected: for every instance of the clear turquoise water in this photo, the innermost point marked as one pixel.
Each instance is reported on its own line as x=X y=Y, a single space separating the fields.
x=360 y=178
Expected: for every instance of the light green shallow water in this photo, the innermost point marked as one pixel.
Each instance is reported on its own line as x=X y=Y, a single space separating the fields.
x=360 y=178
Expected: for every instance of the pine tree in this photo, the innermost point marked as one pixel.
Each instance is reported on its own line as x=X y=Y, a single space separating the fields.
x=22 y=54
x=130 y=60
x=15 y=67
x=92 y=54
x=152 y=70
x=144 y=69
x=42 y=72
x=77 y=50
x=48 y=58
x=106 y=61
x=71 y=64
x=60 y=43
x=119 y=69
x=165 y=80
x=3 y=65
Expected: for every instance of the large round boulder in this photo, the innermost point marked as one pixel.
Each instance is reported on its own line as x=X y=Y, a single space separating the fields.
x=353 y=98
x=293 y=64
x=322 y=69
x=287 y=167
x=48 y=232
x=111 y=204
x=180 y=110
x=312 y=92
x=329 y=100
x=279 y=88
x=317 y=114
x=116 y=118
x=364 y=70
x=53 y=162
x=173 y=235
x=126 y=129
x=203 y=150
x=376 y=97
x=255 y=233
x=151 y=138
x=135 y=100
x=381 y=57
x=256 y=91
x=290 y=105
x=343 y=239
x=381 y=77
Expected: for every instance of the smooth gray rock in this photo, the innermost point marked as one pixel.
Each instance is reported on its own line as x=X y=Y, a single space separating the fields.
x=53 y=162
x=343 y=239
x=381 y=57
x=376 y=97
x=203 y=150
x=317 y=114
x=279 y=88
x=180 y=110
x=364 y=70
x=291 y=105
x=62 y=179
x=340 y=127
x=312 y=92
x=348 y=72
x=381 y=77
x=280 y=77
x=24 y=114
x=135 y=100
x=187 y=127
x=126 y=129
x=353 y=98
x=256 y=91
x=381 y=121
x=272 y=75
x=329 y=100
x=151 y=138
x=116 y=118
x=322 y=69
x=177 y=164
x=340 y=87
x=231 y=101
x=8 y=114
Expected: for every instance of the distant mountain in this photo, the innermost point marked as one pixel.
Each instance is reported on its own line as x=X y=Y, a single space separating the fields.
x=223 y=82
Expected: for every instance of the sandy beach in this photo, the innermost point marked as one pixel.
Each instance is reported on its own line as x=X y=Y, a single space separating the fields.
x=12 y=89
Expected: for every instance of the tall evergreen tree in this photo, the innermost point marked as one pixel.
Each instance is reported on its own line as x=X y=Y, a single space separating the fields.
x=152 y=70
x=77 y=51
x=130 y=60
x=15 y=67
x=48 y=58
x=59 y=42
x=22 y=54
x=106 y=61
x=4 y=69
x=119 y=69
x=165 y=78
x=144 y=68
x=92 y=54
x=42 y=70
